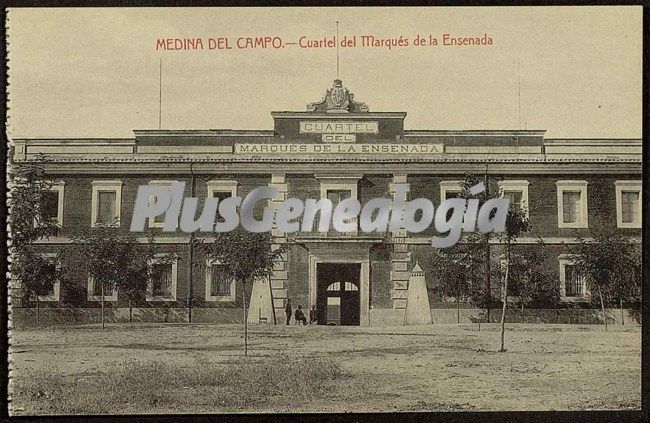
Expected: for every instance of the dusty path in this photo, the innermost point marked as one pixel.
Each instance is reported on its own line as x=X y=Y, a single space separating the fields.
x=434 y=367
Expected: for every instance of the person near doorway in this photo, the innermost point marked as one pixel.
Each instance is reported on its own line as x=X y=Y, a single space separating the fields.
x=300 y=316
x=313 y=316
x=288 y=311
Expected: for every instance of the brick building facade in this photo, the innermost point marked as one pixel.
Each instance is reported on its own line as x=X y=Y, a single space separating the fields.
x=336 y=149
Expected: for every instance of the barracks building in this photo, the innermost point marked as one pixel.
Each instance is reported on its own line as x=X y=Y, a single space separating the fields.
x=337 y=148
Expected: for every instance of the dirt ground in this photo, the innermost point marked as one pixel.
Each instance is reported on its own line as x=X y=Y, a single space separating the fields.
x=408 y=368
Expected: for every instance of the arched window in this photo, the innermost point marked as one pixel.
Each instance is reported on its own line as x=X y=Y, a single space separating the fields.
x=349 y=286
x=336 y=286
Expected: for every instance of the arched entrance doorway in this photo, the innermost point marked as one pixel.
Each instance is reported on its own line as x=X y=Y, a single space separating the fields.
x=338 y=301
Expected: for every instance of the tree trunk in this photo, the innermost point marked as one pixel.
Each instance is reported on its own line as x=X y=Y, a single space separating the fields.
x=245 y=321
x=103 y=324
x=505 y=299
x=130 y=311
x=602 y=307
x=458 y=310
x=620 y=304
x=38 y=311
x=523 y=316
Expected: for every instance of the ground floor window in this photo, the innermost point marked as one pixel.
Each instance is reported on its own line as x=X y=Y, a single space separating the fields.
x=573 y=283
x=162 y=285
x=219 y=286
x=53 y=264
x=95 y=291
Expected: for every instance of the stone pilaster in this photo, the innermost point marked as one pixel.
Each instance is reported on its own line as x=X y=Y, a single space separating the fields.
x=400 y=256
x=280 y=275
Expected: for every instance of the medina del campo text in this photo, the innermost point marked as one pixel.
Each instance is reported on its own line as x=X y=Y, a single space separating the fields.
x=347 y=41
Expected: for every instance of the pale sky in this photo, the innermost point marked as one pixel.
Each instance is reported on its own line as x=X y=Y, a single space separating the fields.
x=94 y=72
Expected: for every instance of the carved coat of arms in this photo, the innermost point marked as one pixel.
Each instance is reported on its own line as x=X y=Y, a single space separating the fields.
x=338 y=100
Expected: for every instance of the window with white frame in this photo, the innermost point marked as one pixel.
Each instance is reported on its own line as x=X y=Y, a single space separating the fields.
x=517 y=192
x=219 y=286
x=163 y=281
x=450 y=189
x=573 y=283
x=221 y=189
x=54 y=294
x=572 y=204
x=106 y=203
x=628 y=204
x=339 y=188
x=158 y=221
x=95 y=291
x=52 y=203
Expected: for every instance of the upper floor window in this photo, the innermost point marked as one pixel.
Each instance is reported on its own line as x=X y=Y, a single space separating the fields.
x=572 y=204
x=106 y=203
x=450 y=189
x=516 y=192
x=339 y=188
x=628 y=204
x=52 y=203
x=162 y=285
x=573 y=283
x=222 y=189
x=158 y=221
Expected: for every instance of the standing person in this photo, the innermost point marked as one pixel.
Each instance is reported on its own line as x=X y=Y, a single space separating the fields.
x=288 y=310
x=313 y=317
x=300 y=316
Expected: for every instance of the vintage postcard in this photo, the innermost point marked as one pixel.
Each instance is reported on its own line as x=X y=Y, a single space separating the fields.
x=324 y=210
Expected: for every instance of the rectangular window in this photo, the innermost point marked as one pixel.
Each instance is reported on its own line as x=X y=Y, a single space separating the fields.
x=515 y=198
x=221 y=189
x=106 y=202
x=158 y=221
x=450 y=189
x=221 y=195
x=220 y=281
x=573 y=282
x=164 y=274
x=572 y=204
x=106 y=208
x=95 y=292
x=50 y=205
x=162 y=280
x=628 y=204
x=219 y=286
x=52 y=264
x=517 y=192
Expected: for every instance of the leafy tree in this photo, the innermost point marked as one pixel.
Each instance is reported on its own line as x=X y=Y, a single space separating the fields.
x=612 y=264
x=28 y=220
x=37 y=275
x=113 y=259
x=246 y=256
x=477 y=249
x=451 y=275
x=516 y=224
x=533 y=283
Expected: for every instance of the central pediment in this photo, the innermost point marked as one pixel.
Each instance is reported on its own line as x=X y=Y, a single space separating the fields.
x=338 y=99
